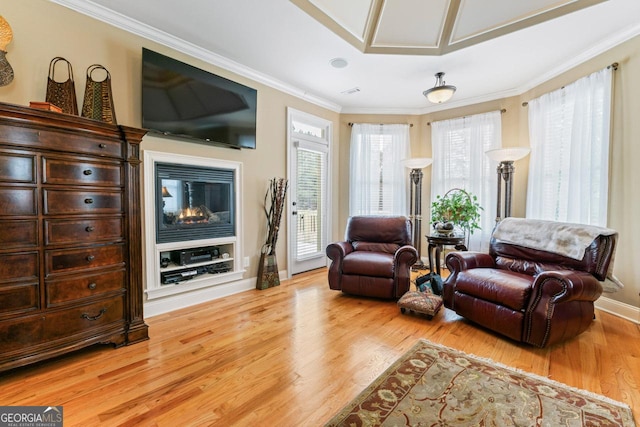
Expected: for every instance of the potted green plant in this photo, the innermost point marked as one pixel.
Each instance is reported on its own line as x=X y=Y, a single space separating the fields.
x=457 y=208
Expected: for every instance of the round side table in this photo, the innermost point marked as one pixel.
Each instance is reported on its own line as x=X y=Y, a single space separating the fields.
x=437 y=242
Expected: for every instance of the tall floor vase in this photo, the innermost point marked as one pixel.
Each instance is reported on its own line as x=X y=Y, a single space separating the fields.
x=273 y=207
x=268 y=276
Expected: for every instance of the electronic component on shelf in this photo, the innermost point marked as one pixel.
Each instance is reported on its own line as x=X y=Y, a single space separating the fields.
x=218 y=268
x=178 y=276
x=192 y=256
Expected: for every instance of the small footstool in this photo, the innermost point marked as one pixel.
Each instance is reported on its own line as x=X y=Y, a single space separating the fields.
x=420 y=302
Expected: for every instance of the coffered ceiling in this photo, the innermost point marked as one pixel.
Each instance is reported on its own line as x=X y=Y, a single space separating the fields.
x=378 y=56
x=431 y=27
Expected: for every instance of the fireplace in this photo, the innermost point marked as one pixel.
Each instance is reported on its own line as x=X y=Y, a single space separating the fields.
x=193 y=202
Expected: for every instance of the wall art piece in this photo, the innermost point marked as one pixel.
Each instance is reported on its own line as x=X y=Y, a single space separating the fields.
x=6 y=35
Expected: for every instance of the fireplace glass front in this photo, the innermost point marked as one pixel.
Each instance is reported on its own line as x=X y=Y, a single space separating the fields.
x=194 y=202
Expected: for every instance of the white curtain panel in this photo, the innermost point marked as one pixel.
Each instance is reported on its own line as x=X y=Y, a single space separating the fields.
x=378 y=181
x=459 y=162
x=569 y=131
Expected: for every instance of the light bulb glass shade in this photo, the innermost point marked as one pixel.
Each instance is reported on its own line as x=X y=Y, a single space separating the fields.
x=439 y=94
x=509 y=154
x=417 y=162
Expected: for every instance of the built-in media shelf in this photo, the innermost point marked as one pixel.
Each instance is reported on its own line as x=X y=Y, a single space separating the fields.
x=186 y=266
x=180 y=265
x=180 y=270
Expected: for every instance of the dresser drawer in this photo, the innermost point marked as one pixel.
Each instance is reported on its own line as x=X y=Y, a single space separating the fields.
x=24 y=331
x=19 y=298
x=21 y=266
x=18 y=234
x=18 y=201
x=81 y=202
x=74 y=172
x=61 y=291
x=84 y=318
x=61 y=141
x=29 y=331
x=16 y=168
x=69 y=260
x=83 y=230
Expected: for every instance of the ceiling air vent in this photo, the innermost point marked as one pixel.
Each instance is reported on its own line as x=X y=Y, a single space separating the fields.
x=350 y=91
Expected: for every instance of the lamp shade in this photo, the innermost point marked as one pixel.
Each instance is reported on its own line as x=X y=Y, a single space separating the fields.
x=441 y=92
x=509 y=154
x=417 y=162
x=165 y=192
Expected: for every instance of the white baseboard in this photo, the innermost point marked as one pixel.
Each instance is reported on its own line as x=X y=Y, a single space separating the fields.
x=183 y=300
x=620 y=309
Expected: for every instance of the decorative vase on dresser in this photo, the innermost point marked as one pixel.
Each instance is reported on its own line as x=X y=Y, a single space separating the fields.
x=70 y=235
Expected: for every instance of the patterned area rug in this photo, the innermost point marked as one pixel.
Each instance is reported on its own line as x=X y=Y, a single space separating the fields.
x=432 y=385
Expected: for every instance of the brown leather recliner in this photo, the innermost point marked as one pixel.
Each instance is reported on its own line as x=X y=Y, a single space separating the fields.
x=375 y=259
x=522 y=290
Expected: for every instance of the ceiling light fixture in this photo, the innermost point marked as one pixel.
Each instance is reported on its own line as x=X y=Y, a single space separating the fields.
x=441 y=92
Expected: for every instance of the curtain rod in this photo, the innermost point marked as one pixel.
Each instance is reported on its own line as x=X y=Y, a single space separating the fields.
x=410 y=124
x=615 y=66
x=504 y=110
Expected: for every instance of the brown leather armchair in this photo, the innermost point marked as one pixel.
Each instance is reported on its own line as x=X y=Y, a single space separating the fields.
x=375 y=259
x=537 y=286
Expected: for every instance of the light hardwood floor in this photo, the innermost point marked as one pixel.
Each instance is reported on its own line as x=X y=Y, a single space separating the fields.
x=292 y=355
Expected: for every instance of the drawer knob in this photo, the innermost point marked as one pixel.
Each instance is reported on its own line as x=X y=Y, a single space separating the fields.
x=90 y=229
x=90 y=258
x=88 y=200
x=92 y=286
x=96 y=317
x=87 y=172
x=102 y=145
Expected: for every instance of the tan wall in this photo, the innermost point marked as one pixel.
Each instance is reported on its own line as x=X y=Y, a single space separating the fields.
x=43 y=30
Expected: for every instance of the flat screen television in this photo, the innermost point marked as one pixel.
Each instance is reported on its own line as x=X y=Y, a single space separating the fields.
x=179 y=100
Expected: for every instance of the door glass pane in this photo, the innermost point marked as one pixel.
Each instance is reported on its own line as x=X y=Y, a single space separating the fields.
x=307 y=129
x=310 y=195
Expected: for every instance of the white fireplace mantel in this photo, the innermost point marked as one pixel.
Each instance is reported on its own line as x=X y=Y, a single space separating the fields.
x=166 y=297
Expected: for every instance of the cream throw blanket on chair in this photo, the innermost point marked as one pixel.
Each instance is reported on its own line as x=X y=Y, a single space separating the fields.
x=570 y=240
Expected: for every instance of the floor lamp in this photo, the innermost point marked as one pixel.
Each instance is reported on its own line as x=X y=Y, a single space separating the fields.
x=416 y=165
x=505 y=171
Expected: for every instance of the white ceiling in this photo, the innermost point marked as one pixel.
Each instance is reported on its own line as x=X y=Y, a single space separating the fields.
x=488 y=52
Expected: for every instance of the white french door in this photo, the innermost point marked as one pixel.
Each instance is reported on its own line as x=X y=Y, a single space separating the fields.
x=309 y=148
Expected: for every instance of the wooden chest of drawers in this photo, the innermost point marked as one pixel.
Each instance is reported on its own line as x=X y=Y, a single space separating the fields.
x=70 y=244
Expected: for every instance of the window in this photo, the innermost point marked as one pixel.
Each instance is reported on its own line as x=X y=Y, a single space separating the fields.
x=459 y=162
x=378 y=180
x=569 y=167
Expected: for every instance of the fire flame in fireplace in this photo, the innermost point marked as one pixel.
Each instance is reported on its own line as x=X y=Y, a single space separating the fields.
x=192 y=216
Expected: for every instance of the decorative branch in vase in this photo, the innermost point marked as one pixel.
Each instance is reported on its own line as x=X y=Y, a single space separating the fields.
x=273 y=208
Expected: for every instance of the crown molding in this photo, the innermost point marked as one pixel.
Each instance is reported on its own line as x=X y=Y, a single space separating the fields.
x=432 y=108
x=606 y=44
x=143 y=30
x=148 y=32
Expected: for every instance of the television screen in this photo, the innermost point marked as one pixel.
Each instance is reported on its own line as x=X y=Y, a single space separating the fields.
x=180 y=100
